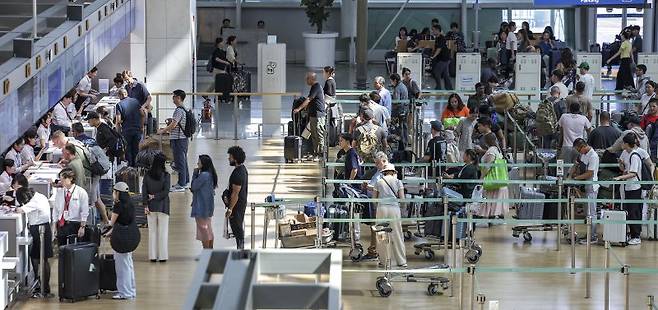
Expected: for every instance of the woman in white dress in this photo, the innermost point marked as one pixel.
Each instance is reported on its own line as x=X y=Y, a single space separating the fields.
x=389 y=186
x=494 y=208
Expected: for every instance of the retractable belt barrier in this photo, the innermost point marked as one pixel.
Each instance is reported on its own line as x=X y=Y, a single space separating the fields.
x=452 y=165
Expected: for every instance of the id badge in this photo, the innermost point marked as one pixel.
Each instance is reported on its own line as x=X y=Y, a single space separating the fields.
x=66 y=214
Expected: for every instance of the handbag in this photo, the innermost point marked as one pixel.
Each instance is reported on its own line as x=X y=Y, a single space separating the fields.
x=497 y=173
x=125 y=238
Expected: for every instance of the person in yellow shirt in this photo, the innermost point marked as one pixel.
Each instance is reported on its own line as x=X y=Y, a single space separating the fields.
x=625 y=74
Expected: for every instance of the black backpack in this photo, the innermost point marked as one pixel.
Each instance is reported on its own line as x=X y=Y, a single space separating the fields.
x=190 y=123
x=117 y=148
x=646 y=173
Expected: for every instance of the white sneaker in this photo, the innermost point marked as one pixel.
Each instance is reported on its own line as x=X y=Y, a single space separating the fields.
x=634 y=241
x=176 y=189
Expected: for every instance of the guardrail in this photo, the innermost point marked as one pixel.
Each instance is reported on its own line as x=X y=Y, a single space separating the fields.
x=237 y=97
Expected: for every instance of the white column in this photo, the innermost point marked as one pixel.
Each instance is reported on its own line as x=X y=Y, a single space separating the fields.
x=271 y=79
x=170 y=28
x=136 y=42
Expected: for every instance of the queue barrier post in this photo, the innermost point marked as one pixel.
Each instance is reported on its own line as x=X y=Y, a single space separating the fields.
x=588 y=275
x=481 y=299
x=215 y=119
x=627 y=286
x=560 y=187
x=606 y=278
x=235 y=117
x=318 y=221
x=454 y=252
x=572 y=233
x=445 y=227
x=253 y=226
x=461 y=275
x=471 y=272
x=650 y=302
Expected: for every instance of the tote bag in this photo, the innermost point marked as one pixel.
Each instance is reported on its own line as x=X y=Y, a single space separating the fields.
x=498 y=172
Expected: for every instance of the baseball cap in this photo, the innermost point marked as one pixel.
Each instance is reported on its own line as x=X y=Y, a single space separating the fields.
x=389 y=167
x=436 y=125
x=584 y=65
x=121 y=187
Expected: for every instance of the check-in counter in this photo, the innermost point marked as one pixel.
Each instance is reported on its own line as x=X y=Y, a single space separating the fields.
x=18 y=243
x=107 y=102
x=41 y=176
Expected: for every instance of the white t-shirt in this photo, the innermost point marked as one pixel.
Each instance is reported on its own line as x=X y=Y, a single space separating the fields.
x=633 y=164
x=588 y=79
x=37 y=210
x=564 y=91
x=385 y=191
x=85 y=84
x=591 y=159
x=43 y=134
x=512 y=41
x=574 y=126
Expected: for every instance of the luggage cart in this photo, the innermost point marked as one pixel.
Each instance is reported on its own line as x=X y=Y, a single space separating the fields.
x=383 y=283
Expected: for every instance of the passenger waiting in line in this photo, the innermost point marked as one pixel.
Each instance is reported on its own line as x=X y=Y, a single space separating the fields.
x=7 y=175
x=649 y=93
x=413 y=89
x=495 y=205
x=582 y=100
x=390 y=188
x=381 y=160
x=572 y=125
x=469 y=171
x=651 y=115
x=178 y=140
x=316 y=112
x=488 y=71
x=464 y=132
x=588 y=171
x=381 y=115
x=352 y=166
x=204 y=183
x=631 y=161
x=486 y=127
x=71 y=208
x=239 y=189
x=231 y=53
x=476 y=100
x=605 y=135
x=385 y=95
x=634 y=128
x=369 y=138
x=37 y=208
x=155 y=197
x=130 y=120
x=93 y=190
x=455 y=108
x=119 y=84
x=73 y=157
x=641 y=78
x=585 y=77
x=105 y=135
x=556 y=78
x=138 y=90
x=124 y=234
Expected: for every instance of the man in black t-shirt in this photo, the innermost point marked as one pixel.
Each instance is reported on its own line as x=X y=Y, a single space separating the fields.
x=441 y=59
x=315 y=104
x=238 y=187
x=605 y=135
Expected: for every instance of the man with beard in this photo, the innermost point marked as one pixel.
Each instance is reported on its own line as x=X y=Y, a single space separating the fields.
x=237 y=199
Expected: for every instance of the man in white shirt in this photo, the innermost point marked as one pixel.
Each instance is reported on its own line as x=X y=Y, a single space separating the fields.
x=630 y=162
x=573 y=126
x=380 y=86
x=380 y=112
x=588 y=171
x=556 y=79
x=586 y=78
x=71 y=207
x=37 y=208
x=64 y=113
x=512 y=42
x=85 y=93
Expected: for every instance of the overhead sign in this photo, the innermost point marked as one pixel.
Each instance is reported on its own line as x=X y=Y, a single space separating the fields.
x=615 y=3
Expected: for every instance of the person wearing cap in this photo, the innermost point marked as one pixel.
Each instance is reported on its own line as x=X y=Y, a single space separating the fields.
x=585 y=77
x=123 y=213
x=71 y=207
x=635 y=128
x=105 y=137
x=389 y=188
x=583 y=101
x=367 y=128
x=37 y=208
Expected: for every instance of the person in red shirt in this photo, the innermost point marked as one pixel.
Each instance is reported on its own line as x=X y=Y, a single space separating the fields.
x=652 y=114
x=455 y=108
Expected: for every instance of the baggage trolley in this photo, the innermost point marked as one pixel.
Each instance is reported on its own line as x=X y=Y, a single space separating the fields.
x=383 y=283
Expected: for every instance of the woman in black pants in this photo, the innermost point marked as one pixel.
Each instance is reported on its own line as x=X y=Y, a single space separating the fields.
x=625 y=74
x=631 y=165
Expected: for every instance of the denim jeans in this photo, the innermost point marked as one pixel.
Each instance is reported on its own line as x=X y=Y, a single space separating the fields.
x=440 y=71
x=123 y=264
x=179 y=148
x=132 y=145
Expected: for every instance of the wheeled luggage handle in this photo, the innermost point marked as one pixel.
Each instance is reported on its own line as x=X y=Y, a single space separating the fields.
x=68 y=237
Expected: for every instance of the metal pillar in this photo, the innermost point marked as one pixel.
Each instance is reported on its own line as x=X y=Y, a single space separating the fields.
x=34 y=19
x=476 y=29
x=464 y=20
x=238 y=14
x=361 y=43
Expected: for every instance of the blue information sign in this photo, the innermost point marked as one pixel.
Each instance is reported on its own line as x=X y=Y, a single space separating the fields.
x=615 y=3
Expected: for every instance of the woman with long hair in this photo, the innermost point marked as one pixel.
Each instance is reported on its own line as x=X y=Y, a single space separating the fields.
x=625 y=74
x=7 y=175
x=495 y=208
x=231 y=53
x=568 y=65
x=204 y=183
x=455 y=108
x=524 y=41
x=124 y=241
x=155 y=195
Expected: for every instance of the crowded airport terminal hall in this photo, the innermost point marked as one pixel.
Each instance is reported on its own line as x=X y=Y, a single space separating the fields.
x=343 y=154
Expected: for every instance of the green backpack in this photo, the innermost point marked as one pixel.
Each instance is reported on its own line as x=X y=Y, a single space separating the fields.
x=546 y=118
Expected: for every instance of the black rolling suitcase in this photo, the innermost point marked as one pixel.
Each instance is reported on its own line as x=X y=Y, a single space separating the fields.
x=130 y=176
x=292 y=144
x=78 y=276
x=224 y=85
x=107 y=273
